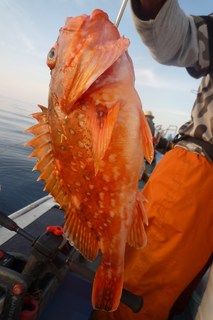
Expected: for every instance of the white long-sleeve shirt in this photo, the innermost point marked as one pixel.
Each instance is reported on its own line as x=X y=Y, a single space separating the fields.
x=180 y=40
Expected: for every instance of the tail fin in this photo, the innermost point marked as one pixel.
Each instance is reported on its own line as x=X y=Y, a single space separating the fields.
x=107 y=287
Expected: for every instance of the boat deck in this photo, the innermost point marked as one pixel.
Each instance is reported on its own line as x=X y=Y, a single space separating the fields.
x=72 y=298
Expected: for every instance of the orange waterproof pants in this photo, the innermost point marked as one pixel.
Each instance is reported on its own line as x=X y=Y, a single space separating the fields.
x=179 y=205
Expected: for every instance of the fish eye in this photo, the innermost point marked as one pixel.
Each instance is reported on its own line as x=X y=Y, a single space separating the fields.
x=51 y=58
x=52 y=53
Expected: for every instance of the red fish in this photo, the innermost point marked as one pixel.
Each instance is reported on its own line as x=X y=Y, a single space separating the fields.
x=90 y=144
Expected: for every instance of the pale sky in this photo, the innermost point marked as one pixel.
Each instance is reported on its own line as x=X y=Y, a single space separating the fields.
x=29 y=28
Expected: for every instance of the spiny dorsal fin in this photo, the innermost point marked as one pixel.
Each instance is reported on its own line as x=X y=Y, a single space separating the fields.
x=43 y=151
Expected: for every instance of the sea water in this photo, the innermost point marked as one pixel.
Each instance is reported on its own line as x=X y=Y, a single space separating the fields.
x=18 y=183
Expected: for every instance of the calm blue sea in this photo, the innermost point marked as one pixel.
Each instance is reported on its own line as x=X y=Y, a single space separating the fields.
x=18 y=185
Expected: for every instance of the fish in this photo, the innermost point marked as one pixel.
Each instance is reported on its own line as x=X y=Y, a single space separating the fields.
x=90 y=144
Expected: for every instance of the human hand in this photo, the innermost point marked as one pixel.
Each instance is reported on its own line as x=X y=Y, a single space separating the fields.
x=150 y=8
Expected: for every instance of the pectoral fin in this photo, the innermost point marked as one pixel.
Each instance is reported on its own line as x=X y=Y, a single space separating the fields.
x=101 y=121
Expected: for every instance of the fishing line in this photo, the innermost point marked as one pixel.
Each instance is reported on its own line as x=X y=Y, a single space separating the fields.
x=120 y=13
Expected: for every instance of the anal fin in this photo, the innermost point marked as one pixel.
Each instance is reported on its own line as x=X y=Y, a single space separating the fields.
x=81 y=236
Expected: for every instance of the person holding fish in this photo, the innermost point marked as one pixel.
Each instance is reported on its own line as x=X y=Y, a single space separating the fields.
x=179 y=191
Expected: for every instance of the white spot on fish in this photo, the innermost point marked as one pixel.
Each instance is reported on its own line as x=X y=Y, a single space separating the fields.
x=112 y=158
x=101 y=205
x=63 y=137
x=82 y=165
x=81 y=124
x=78 y=46
x=112 y=202
x=106 y=178
x=81 y=144
x=81 y=116
x=89 y=224
x=101 y=195
x=74 y=169
x=75 y=201
x=112 y=213
x=116 y=172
